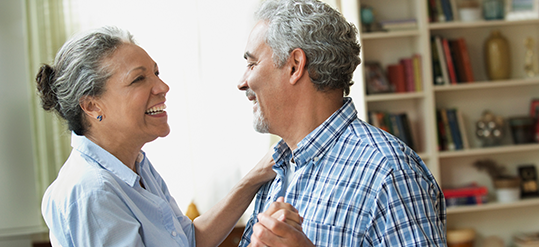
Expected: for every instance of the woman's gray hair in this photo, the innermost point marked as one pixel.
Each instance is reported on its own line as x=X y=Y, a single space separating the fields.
x=328 y=40
x=79 y=71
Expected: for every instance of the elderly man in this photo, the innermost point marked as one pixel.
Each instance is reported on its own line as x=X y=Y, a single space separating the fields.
x=353 y=184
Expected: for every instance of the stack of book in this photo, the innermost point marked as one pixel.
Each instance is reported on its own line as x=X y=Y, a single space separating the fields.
x=451 y=130
x=406 y=75
x=396 y=124
x=469 y=195
x=450 y=61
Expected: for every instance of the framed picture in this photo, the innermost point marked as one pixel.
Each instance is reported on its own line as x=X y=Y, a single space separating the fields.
x=521 y=9
x=376 y=79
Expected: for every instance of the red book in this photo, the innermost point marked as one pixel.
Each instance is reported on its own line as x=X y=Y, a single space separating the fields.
x=472 y=191
x=409 y=73
x=465 y=60
x=397 y=77
x=465 y=191
x=449 y=62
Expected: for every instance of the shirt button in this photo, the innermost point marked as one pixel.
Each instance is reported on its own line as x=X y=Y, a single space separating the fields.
x=174 y=233
x=315 y=159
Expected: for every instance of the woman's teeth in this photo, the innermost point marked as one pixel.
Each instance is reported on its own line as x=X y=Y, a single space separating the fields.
x=156 y=109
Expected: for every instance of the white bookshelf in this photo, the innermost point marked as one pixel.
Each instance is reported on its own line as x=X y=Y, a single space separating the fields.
x=506 y=98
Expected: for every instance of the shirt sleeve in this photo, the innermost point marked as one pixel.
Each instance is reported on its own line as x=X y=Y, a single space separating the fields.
x=409 y=211
x=110 y=221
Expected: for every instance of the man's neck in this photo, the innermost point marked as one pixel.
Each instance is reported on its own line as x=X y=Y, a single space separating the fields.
x=308 y=116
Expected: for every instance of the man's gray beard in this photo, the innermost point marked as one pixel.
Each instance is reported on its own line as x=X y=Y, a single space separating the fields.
x=260 y=123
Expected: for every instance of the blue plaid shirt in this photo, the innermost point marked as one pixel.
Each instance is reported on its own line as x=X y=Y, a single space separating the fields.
x=357 y=185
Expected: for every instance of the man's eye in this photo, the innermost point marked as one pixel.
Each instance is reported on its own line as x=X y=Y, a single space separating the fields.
x=140 y=78
x=251 y=65
x=157 y=73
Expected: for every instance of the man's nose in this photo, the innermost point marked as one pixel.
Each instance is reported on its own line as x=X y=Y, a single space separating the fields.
x=242 y=85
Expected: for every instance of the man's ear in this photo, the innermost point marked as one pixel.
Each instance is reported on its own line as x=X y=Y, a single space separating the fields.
x=91 y=106
x=297 y=61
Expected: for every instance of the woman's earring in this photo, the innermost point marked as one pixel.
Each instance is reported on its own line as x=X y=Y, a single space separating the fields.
x=99 y=118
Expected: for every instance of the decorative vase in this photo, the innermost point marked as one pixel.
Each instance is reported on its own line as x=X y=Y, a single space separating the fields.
x=497 y=60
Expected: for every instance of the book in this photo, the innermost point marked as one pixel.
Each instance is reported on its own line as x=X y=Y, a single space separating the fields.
x=403 y=117
x=472 y=190
x=396 y=128
x=382 y=121
x=464 y=62
x=433 y=13
x=449 y=61
x=418 y=72
x=462 y=128
x=467 y=195
x=455 y=55
x=447 y=128
x=437 y=77
x=397 y=77
x=443 y=66
x=442 y=140
x=534 y=114
x=446 y=8
x=409 y=73
x=439 y=9
x=373 y=119
x=453 y=125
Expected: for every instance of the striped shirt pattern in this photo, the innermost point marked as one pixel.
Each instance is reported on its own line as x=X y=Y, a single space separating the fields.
x=357 y=185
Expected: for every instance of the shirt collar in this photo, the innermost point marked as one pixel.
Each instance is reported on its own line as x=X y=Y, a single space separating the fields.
x=321 y=139
x=106 y=160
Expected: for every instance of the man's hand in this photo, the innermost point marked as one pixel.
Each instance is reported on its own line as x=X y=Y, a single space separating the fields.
x=280 y=225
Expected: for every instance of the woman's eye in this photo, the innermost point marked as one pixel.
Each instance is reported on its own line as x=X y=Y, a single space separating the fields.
x=156 y=73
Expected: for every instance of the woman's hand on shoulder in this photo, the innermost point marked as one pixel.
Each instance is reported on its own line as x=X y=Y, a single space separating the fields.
x=263 y=171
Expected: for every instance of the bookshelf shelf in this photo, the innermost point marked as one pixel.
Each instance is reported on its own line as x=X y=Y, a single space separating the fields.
x=479 y=24
x=489 y=151
x=390 y=34
x=487 y=84
x=394 y=96
x=492 y=206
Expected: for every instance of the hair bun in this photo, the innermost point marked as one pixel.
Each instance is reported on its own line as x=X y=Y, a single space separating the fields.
x=44 y=79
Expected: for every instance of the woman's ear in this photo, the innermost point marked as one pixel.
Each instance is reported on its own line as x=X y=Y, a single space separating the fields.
x=297 y=61
x=91 y=106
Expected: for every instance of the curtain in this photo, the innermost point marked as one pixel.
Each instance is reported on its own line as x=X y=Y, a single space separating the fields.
x=46 y=34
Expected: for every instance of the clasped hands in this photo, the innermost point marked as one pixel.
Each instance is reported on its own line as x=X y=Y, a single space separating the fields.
x=279 y=225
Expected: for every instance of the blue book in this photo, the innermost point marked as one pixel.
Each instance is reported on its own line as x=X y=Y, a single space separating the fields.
x=448 y=12
x=455 y=130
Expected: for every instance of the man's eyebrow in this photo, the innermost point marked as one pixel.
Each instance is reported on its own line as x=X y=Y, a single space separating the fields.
x=247 y=55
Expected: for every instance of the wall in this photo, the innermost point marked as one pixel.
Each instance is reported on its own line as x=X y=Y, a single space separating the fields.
x=19 y=205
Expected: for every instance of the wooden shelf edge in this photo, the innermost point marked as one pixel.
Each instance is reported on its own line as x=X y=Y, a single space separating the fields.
x=492 y=206
x=487 y=84
x=489 y=150
x=479 y=24
x=393 y=96
x=389 y=34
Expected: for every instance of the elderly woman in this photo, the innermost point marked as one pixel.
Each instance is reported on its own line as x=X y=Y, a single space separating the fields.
x=107 y=192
